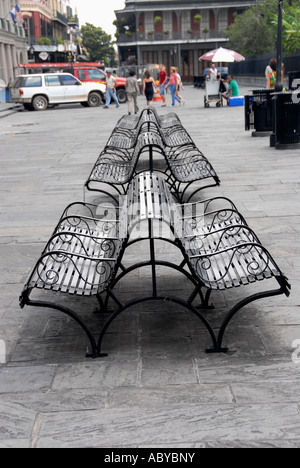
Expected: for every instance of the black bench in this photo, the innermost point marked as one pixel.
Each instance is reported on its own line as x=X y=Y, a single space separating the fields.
x=131 y=122
x=185 y=164
x=218 y=251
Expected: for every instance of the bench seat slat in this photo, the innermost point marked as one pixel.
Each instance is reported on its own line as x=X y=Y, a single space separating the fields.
x=72 y=260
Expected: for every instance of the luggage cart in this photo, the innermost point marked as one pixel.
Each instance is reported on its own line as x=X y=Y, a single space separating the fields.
x=213 y=94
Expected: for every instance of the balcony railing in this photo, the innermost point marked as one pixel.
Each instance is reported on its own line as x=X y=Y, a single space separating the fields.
x=32 y=40
x=59 y=18
x=168 y=36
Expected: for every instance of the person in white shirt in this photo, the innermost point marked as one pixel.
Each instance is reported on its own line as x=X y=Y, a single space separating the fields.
x=212 y=73
x=110 y=90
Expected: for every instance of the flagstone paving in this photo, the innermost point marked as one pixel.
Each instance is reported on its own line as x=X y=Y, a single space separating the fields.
x=157 y=387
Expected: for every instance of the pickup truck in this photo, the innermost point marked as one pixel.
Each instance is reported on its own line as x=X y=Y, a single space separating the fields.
x=98 y=76
x=85 y=72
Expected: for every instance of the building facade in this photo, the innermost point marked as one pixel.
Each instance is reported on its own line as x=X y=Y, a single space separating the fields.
x=12 y=43
x=173 y=32
x=51 y=30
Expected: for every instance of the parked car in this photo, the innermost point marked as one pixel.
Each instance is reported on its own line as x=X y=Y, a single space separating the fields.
x=44 y=89
x=85 y=72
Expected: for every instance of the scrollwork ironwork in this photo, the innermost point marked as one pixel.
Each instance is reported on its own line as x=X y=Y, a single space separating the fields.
x=50 y=275
x=252 y=263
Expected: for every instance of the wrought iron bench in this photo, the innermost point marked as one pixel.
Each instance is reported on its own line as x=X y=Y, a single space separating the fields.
x=218 y=251
x=116 y=167
x=185 y=164
x=131 y=122
x=81 y=258
x=169 y=128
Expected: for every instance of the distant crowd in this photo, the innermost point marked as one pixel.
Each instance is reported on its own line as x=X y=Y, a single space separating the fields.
x=228 y=87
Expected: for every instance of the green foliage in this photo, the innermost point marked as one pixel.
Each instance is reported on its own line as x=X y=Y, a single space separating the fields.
x=125 y=24
x=254 y=32
x=290 y=27
x=197 y=18
x=98 y=44
x=44 y=41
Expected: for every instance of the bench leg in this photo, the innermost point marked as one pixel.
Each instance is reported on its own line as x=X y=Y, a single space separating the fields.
x=221 y=349
x=73 y=315
x=124 y=307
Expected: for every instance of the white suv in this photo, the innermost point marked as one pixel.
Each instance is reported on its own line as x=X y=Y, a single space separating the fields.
x=41 y=90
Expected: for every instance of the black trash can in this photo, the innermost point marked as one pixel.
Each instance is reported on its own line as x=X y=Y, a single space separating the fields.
x=258 y=111
x=286 y=120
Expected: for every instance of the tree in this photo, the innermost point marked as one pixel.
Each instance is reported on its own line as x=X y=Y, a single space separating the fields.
x=252 y=32
x=98 y=43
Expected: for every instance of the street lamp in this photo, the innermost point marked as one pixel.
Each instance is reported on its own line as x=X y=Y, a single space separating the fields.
x=279 y=85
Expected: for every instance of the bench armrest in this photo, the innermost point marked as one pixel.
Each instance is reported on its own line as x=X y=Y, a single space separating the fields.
x=93 y=226
x=209 y=201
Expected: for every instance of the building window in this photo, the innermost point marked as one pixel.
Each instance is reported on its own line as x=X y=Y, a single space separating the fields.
x=167 y=19
x=142 y=23
x=223 y=19
x=205 y=19
x=150 y=57
x=175 y=22
x=185 y=22
x=149 y=21
x=28 y=27
x=43 y=28
x=158 y=21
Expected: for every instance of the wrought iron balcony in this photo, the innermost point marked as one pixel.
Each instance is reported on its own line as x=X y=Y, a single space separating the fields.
x=59 y=18
x=167 y=36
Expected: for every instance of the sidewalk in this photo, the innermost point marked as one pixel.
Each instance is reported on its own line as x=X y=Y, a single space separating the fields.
x=157 y=387
x=7 y=109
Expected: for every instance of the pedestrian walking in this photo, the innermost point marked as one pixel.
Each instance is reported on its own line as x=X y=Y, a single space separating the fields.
x=148 y=87
x=173 y=83
x=132 y=91
x=111 y=90
x=162 y=83
x=179 y=85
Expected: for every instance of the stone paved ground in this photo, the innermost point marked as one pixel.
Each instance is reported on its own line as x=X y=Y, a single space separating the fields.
x=157 y=387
